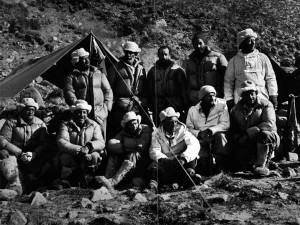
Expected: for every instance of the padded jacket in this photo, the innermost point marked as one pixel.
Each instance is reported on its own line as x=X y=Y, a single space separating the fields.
x=209 y=70
x=182 y=144
x=167 y=87
x=71 y=138
x=125 y=84
x=17 y=136
x=92 y=87
x=217 y=120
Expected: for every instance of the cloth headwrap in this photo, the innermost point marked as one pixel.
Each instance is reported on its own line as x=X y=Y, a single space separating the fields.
x=205 y=90
x=242 y=35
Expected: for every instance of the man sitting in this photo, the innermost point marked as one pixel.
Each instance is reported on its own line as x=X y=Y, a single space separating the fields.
x=128 y=151
x=80 y=143
x=253 y=130
x=26 y=138
x=209 y=121
x=174 y=151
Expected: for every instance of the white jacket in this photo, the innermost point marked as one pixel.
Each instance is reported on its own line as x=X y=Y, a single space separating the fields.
x=182 y=144
x=254 y=66
x=217 y=120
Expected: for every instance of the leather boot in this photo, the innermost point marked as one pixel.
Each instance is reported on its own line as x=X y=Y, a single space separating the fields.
x=118 y=177
x=261 y=160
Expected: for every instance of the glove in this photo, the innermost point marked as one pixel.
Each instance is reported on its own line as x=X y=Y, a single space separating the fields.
x=182 y=160
x=273 y=99
x=230 y=104
x=88 y=157
x=27 y=157
x=83 y=151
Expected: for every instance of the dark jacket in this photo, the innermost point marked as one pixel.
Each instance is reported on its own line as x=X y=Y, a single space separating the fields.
x=92 y=87
x=167 y=87
x=210 y=70
x=125 y=84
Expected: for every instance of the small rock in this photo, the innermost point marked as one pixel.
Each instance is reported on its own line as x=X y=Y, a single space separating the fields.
x=161 y=23
x=107 y=209
x=101 y=194
x=298 y=220
x=288 y=172
x=7 y=195
x=217 y=198
x=278 y=186
x=182 y=206
x=139 y=198
x=179 y=36
x=38 y=199
x=283 y=196
x=86 y=203
x=131 y=192
x=72 y=215
x=39 y=40
x=17 y=218
x=4 y=202
x=292 y=156
x=81 y=221
x=257 y=191
x=164 y=197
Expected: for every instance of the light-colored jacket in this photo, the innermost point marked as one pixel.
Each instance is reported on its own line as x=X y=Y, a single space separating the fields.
x=254 y=66
x=71 y=138
x=217 y=120
x=182 y=144
x=17 y=136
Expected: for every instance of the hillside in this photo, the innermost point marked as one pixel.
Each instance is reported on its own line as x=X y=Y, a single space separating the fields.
x=34 y=28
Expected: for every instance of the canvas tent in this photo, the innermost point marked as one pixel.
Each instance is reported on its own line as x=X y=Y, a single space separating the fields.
x=53 y=67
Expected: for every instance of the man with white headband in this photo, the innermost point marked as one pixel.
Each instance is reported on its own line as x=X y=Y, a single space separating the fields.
x=80 y=144
x=253 y=130
x=25 y=137
x=90 y=84
x=249 y=64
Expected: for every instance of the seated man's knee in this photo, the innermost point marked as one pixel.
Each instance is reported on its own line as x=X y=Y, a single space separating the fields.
x=67 y=160
x=4 y=154
x=265 y=137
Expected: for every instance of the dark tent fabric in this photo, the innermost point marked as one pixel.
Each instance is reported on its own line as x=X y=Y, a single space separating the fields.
x=53 y=67
x=286 y=84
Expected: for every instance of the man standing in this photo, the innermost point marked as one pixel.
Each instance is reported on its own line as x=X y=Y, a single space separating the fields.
x=166 y=84
x=209 y=122
x=204 y=67
x=88 y=83
x=80 y=143
x=128 y=152
x=127 y=79
x=249 y=64
x=174 y=151
x=253 y=130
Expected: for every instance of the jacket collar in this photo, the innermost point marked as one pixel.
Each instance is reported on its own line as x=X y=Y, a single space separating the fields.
x=251 y=54
x=87 y=124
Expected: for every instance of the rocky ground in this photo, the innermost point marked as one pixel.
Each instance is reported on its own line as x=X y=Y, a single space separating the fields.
x=34 y=28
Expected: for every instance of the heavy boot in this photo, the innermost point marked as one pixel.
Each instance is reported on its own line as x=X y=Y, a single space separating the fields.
x=10 y=172
x=118 y=177
x=260 y=166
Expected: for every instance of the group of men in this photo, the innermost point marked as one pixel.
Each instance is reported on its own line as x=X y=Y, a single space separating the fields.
x=162 y=127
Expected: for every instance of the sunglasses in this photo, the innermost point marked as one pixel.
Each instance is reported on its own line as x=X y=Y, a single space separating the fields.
x=130 y=53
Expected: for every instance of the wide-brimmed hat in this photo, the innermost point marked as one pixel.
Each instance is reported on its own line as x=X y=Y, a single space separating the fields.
x=168 y=112
x=205 y=90
x=27 y=102
x=130 y=116
x=247 y=85
x=81 y=104
x=242 y=35
x=131 y=46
